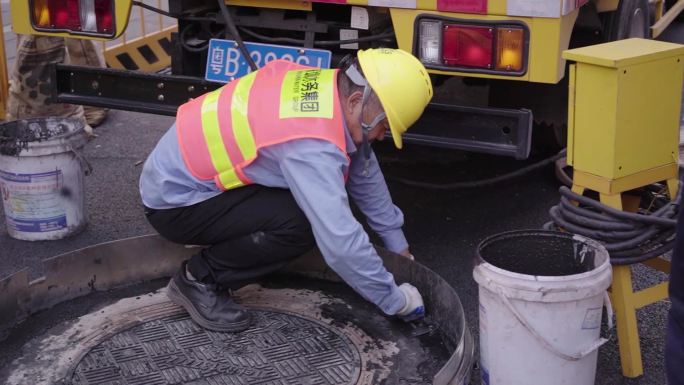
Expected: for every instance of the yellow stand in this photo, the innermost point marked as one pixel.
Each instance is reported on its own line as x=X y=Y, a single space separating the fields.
x=624 y=104
x=625 y=300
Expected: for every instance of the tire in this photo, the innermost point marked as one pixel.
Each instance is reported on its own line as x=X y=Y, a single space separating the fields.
x=631 y=19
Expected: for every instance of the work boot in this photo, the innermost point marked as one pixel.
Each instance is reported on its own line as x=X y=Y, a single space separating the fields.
x=207 y=307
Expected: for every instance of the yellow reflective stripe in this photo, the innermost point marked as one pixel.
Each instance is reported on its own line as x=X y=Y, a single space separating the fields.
x=229 y=179
x=212 y=132
x=238 y=112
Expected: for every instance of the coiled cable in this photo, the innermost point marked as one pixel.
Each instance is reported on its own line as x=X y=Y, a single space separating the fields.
x=628 y=237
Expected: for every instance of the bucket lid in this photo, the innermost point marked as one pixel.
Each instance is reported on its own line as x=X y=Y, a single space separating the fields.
x=40 y=135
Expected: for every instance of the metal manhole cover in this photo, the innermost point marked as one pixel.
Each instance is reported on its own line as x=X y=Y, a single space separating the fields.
x=278 y=349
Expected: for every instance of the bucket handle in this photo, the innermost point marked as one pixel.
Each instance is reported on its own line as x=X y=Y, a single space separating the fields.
x=546 y=344
x=87 y=167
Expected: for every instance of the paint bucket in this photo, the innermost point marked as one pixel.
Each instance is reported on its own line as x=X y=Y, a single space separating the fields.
x=41 y=177
x=541 y=297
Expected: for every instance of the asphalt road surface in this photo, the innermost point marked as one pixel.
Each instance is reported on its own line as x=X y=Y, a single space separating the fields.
x=443 y=227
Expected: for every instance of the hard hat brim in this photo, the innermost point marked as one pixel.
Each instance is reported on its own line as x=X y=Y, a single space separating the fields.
x=394 y=129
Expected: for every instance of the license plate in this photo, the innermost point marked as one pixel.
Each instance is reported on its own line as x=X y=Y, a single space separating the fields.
x=226 y=62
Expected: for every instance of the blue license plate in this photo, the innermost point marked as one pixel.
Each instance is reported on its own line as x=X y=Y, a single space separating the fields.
x=226 y=62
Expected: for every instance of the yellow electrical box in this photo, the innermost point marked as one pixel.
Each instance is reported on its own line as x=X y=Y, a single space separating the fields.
x=624 y=108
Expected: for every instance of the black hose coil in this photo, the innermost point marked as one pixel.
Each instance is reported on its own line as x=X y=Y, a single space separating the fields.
x=628 y=237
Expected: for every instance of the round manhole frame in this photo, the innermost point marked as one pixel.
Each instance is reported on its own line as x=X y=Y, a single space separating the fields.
x=261 y=312
x=141 y=259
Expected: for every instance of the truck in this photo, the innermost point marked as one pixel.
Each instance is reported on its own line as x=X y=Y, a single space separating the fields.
x=496 y=64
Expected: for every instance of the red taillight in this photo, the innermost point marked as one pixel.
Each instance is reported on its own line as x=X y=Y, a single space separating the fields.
x=64 y=14
x=476 y=46
x=468 y=46
x=75 y=16
x=105 y=17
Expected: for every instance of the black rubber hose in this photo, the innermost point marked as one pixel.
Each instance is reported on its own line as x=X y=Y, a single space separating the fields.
x=652 y=235
x=573 y=227
x=639 y=251
x=183 y=41
x=562 y=176
x=236 y=35
x=559 y=221
x=593 y=219
x=628 y=237
x=644 y=236
x=477 y=183
x=643 y=257
x=154 y=9
x=648 y=219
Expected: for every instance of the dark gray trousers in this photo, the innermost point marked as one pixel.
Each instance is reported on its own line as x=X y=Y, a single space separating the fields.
x=248 y=232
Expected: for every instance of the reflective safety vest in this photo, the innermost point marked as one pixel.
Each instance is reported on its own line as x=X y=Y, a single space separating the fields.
x=221 y=132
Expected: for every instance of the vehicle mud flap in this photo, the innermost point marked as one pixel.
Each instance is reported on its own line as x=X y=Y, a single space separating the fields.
x=495 y=131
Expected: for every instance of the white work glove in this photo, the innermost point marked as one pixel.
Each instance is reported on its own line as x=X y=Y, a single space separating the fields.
x=414 y=308
x=407 y=254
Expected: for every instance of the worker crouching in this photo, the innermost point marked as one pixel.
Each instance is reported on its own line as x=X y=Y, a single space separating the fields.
x=261 y=170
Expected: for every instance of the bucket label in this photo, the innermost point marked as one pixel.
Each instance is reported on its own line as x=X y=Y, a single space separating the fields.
x=592 y=318
x=32 y=201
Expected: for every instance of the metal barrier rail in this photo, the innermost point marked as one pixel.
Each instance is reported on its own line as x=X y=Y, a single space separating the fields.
x=664 y=18
x=145 y=46
x=142 y=48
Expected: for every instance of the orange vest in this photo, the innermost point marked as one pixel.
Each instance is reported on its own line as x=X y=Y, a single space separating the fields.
x=221 y=132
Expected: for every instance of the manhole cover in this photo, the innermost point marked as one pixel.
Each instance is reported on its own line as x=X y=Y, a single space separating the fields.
x=278 y=349
x=315 y=333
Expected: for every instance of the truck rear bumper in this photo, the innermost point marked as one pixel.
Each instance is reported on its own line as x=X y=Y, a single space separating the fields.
x=490 y=130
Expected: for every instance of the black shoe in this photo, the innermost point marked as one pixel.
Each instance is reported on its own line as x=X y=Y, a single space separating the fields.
x=209 y=308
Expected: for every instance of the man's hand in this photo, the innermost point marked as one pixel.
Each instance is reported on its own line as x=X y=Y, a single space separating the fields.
x=414 y=308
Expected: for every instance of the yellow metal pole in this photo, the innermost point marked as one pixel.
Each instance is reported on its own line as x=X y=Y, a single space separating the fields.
x=650 y=295
x=659 y=8
x=659 y=264
x=4 y=84
x=622 y=298
x=161 y=20
x=142 y=21
x=667 y=19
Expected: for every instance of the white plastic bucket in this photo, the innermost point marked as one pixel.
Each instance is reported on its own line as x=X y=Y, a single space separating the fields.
x=41 y=177
x=541 y=296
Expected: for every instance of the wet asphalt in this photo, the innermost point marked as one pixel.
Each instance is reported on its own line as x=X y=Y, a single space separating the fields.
x=443 y=227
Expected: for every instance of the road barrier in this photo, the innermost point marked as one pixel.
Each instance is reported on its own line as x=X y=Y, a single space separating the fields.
x=145 y=46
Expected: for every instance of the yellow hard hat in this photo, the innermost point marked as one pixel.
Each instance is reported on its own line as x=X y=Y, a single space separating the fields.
x=401 y=83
